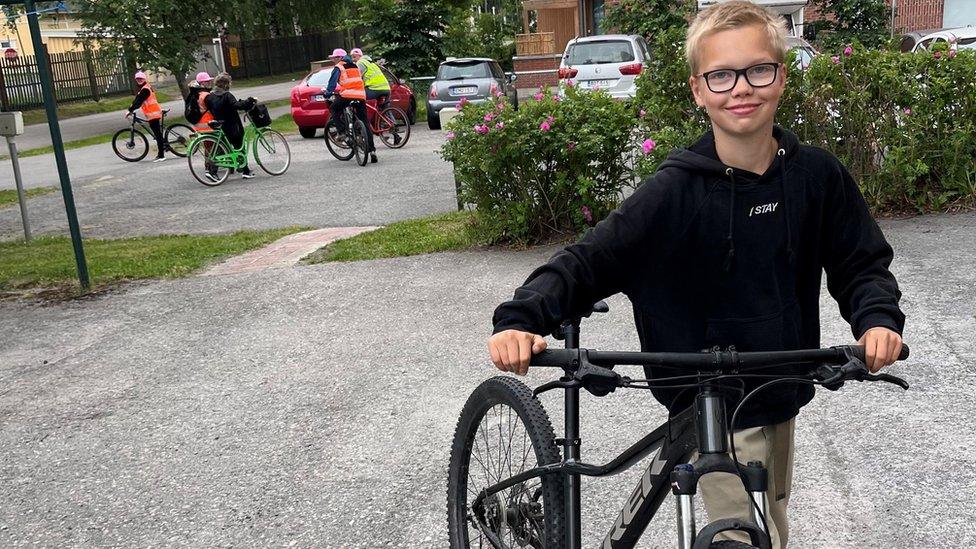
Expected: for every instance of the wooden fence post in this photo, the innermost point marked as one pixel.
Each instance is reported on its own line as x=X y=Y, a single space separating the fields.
x=267 y=54
x=91 y=73
x=4 y=100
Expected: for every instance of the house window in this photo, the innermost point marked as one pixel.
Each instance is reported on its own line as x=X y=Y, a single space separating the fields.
x=8 y=44
x=597 y=16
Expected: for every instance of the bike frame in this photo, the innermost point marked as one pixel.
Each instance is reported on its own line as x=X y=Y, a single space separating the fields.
x=235 y=157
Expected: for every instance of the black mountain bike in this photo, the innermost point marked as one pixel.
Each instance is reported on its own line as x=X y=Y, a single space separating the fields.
x=346 y=137
x=132 y=145
x=509 y=486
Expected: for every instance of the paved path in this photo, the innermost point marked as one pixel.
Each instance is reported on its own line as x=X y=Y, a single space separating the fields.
x=39 y=135
x=314 y=407
x=317 y=191
x=284 y=252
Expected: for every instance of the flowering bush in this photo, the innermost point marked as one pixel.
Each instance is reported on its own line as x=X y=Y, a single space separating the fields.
x=547 y=170
x=904 y=124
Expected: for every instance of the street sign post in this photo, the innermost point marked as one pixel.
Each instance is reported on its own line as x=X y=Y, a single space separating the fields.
x=12 y=125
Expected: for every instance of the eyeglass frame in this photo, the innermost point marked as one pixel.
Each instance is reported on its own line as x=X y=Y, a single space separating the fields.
x=742 y=73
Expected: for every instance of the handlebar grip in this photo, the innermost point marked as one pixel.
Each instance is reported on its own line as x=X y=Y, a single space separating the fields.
x=559 y=358
x=859 y=352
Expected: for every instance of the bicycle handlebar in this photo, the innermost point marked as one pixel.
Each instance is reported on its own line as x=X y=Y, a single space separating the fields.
x=731 y=359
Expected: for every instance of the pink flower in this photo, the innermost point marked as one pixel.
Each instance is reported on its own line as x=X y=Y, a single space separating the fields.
x=571 y=145
x=952 y=54
x=489 y=116
x=587 y=215
x=460 y=104
x=648 y=146
x=450 y=136
x=952 y=39
x=538 y=96
x=908 y=111
x=545 y=126
x=499 y=94
x=938 y=55
x=569 y=83
x=848 y=51
x=835 y=59
x=500 y=125
x=642 y=113
x=501 y=106
x=556 y=98
x=481 y=128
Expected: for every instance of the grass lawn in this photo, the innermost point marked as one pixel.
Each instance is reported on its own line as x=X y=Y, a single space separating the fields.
x=82 y=108
x=9 y=197
x=284 y=124
x=48 y=262
x=437 y=233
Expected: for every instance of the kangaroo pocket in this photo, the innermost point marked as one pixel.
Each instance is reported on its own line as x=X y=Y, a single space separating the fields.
x=776 y=331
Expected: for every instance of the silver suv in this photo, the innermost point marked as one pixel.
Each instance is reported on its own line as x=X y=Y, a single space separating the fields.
x=609 y=62
x=474 y=78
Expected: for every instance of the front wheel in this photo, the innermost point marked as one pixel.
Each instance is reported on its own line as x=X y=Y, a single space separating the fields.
x=394 y=127
x=178 y=139
x=730 y=545
x=130 y=145
x=360 y=142
x=271 y=152
x=503 y=431
x=209 y=160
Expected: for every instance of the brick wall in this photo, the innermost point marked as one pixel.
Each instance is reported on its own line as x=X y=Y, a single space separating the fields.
x=910 y=15
x=536 y=63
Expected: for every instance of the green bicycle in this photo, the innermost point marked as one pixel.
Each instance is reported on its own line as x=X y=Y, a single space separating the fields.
x=212 y=157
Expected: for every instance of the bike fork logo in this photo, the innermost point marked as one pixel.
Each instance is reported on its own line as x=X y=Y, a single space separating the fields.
x=635 y=501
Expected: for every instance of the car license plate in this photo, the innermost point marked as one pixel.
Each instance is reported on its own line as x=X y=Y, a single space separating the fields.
x=599 y=83
x=464 y=90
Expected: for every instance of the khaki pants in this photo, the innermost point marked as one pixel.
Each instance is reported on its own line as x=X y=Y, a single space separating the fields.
x=725 y=497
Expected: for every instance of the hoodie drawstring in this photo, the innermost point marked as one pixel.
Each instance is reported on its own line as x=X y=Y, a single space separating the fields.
x=729 y=239
x=786 y=210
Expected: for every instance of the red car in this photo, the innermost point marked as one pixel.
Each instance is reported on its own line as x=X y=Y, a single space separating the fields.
x=311 y=112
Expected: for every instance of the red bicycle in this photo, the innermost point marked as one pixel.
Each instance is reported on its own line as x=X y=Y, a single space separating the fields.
x=390 y=124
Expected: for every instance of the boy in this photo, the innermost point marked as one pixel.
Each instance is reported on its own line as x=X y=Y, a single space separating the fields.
x=725 y=245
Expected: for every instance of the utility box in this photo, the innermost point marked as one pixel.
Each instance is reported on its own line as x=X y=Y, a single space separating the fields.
x=446 y=115
x=11 y=123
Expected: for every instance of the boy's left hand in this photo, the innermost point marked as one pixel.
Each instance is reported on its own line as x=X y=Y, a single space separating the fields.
x=881 y=348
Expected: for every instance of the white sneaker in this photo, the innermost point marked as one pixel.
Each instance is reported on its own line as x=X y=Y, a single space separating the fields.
x=212 y=177
x=247 y=175
x=159 y=159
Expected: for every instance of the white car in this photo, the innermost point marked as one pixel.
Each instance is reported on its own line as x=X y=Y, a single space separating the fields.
x=961 y=38
x=609 y=62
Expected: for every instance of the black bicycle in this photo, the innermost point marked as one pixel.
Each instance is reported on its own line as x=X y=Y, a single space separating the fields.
x=347 y=137
x=509 y=486
x=132 y=145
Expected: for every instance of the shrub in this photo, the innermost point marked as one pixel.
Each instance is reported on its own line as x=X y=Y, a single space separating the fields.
x=547 y=170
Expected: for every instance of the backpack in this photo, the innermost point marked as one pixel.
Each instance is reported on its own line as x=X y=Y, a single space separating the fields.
x=191 y=108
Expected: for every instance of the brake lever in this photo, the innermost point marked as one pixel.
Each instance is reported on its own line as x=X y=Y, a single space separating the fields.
x=889 y=379
x=558 y=384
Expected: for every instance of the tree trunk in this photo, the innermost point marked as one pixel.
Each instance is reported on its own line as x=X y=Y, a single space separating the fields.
x=181 y=81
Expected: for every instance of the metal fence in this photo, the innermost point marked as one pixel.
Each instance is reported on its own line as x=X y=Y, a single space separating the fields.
x=270 y=56
x=76 y=76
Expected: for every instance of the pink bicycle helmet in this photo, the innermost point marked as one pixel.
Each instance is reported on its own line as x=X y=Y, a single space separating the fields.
x=338 y=52
x=203 y=77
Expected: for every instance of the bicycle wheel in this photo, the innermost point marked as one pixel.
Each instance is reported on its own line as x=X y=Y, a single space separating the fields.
x=271 y=152
x=394 y=127
x=337 y=143
x=503 y=431
x=361 y=143
x=178 y=138
x=130 y=145
x=730 y=545
x=208 y=160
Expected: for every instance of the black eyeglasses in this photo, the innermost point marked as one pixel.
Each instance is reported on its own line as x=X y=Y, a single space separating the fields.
x=758 y=76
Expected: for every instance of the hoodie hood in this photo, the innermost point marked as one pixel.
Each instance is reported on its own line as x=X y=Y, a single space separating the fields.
x=701 y=158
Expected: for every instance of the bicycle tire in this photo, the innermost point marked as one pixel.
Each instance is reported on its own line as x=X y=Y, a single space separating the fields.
x=332 y=136
x=200 y=160
x=360 y=142
x=131 y=140
x=394 y=127
x=494 y=400
x=274 y=145
x=178 y=137
x=727 y=544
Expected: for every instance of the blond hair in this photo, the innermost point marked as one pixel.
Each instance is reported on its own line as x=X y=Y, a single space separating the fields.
x=734 y=14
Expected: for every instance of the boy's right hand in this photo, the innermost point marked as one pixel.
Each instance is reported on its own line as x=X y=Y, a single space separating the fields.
x=511 y=350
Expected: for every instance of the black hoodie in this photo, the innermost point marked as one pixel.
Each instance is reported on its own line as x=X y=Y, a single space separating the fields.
x=698 y=276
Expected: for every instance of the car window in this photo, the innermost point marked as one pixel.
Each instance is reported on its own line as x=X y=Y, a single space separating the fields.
x=497 y=72
x=596 y=53
x=464 y=69
x=804 y=56
x=389 y=76
x=924 y=44
x=644 y=49
x=321 y=78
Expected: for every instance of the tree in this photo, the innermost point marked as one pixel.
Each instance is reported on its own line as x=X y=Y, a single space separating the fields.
x=647 y=18
x=849 y=21
x=485 y=34
x=161 y=34
x=407 y=34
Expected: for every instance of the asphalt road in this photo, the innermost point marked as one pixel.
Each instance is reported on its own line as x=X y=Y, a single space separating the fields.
x=116 y=198
x=314 y=406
